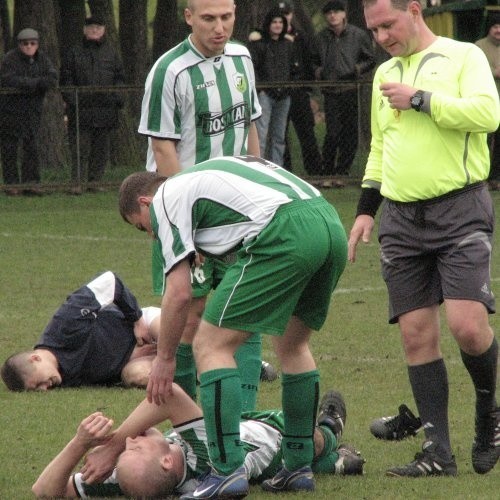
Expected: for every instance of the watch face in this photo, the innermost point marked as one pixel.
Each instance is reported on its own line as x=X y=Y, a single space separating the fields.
x=416 y=102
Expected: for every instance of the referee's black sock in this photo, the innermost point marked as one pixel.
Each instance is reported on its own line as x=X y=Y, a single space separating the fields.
x=483 y=372
x=429 y=383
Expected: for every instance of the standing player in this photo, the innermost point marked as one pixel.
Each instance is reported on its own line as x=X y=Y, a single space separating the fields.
x=200 y=102
x=433 y=104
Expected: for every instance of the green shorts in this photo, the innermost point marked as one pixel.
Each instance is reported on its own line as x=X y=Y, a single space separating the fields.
x=290 y=268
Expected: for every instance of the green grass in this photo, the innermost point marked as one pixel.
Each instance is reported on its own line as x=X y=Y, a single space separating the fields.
x=51 y=245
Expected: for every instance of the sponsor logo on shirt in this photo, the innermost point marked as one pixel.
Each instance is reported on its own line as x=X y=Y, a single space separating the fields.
x=214 y=124
x=205 y=85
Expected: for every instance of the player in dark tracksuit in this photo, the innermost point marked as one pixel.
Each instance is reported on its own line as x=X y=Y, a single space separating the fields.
x=89 y=340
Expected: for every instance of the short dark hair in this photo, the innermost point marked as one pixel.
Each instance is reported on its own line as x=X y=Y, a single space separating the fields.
x=135 y=185
x=14 y=371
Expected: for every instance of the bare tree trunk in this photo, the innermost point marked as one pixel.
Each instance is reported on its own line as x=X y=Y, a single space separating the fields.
x=166 y=31
x=134 y=40
x=71 y=30
x=5 y=27
x=249 y=16
x=134 y=46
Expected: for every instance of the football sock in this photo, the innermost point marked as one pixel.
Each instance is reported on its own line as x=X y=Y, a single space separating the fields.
x=248 y=358
x=429 y=383
x=220 y=395
x=300 y=403
x=185 y=370
x=483 y=372
x=325 y=461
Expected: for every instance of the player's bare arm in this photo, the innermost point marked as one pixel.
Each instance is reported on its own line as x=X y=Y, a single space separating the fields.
x=174 y=311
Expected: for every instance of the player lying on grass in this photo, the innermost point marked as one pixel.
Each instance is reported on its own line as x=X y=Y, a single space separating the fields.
x=99 y=335
x=142 y=462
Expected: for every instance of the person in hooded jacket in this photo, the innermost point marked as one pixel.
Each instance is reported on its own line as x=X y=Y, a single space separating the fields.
x=29 y=70
x=94 y=62
x=274 y=60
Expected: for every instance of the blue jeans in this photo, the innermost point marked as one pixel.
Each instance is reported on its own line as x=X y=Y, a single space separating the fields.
x=271 y=127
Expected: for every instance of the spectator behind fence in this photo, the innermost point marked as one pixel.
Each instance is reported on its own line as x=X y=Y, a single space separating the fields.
x=94 y=62
x=490 y=45
x=301 y=113
x=342 y=52
x=273 y=59
x=29 y=70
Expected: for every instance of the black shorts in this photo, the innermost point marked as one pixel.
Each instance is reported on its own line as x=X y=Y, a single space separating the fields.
x=438 y=249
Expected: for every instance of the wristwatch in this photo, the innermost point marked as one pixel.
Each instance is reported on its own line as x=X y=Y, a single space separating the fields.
x=417 y=100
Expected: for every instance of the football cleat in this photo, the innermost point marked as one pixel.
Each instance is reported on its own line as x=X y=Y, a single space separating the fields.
x=397 y=427
x=333 y=413
x=486 y=446
x=350 y=461
x=428 y=462
x=213 y=485
x=267 y=372
x=298 y=480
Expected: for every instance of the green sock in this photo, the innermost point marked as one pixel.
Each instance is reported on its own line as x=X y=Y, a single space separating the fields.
x=300 y=403
x=248 y=358
x=325 y=461
x=220 y=395
x=185 y=370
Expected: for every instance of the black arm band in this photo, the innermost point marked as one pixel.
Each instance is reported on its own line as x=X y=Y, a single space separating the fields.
x=369 y=202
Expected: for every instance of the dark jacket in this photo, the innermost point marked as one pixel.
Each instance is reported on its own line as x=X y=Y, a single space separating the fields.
x=34 y=76
x=345 y=57
x=92 y=335
x=93 y=64
x=303 y=65
x=273 y=60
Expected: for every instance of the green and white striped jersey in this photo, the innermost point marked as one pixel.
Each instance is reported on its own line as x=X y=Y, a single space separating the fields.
x=207 y=104
x=260 y=433
x=221 y=204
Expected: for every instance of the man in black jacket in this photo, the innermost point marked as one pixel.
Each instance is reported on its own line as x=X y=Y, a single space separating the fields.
x=301 y=113
x=31 y=72
x=343 y=53
x=94 y=62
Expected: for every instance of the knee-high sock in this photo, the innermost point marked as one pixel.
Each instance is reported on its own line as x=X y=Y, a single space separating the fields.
x=429 y=383
x=325 y=461
x=185 y=370
x=300 y=403
x=248 y=358
x=220 y=395
x=483 y=372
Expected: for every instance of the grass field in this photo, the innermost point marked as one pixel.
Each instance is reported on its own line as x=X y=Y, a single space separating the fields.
x=50 y=246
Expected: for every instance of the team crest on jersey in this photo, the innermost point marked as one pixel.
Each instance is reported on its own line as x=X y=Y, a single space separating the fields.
x=240 y=82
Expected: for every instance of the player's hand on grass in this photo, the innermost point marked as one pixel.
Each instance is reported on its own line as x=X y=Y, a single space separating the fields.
x=159 y=388
x=361 y=230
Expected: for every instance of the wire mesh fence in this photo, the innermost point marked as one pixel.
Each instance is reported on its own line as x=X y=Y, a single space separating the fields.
x=86 y=137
